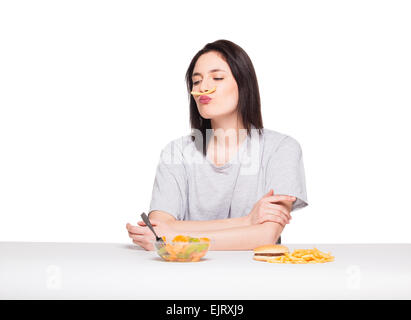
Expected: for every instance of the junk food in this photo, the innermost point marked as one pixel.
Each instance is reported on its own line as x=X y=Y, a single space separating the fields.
x=196 y=93
x=298 y=256
x=263 y=253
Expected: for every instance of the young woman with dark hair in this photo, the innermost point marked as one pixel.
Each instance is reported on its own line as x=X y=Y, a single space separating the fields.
x=219 y=181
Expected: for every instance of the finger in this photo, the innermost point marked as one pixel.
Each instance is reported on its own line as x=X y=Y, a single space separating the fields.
x=269 y=193
x=280 y=208
x=137 y=242
x=130 y=227
x=145 y=246
x=140 y=243
x=277 y=213
x=281 y=217
x=136 y=237
x=276 y=210
x=141 y=223
x=137 y=229
x=144 y=242
x=279 y=198
x=143 y=239
x=273 y=218
x=130 y=234
x=140 y=237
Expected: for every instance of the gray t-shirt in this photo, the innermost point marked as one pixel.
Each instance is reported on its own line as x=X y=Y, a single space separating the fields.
x=190 y=186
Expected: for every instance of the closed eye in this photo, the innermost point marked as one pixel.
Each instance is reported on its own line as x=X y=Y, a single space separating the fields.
x=196 y=82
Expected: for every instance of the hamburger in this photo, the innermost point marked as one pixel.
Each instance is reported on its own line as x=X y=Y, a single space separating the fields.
x=263 y=253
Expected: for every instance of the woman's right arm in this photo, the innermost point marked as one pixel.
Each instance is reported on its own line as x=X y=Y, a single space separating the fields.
x=268 y=208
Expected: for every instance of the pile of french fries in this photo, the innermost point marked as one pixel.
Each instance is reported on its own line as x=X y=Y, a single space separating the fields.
x=303 y=256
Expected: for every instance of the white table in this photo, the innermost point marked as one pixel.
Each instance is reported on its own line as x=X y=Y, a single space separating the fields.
x=42 y=270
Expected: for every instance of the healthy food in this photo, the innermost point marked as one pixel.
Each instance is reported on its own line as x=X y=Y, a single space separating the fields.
x=184 y=249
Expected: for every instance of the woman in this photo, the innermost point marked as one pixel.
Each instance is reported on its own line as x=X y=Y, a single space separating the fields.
x=219 y=181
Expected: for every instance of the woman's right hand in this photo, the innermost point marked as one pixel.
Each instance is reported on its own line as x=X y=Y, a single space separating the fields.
x=271 y=208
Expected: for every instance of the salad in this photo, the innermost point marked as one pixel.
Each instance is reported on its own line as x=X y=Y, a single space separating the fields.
x=183 y=248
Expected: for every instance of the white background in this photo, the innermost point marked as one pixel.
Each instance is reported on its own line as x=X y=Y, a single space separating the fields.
x=91 y=91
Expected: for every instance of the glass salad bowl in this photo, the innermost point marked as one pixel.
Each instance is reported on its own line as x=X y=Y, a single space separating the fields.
x=182 y=248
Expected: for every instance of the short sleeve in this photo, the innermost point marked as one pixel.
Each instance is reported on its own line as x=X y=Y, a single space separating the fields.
x=169 y=192
x=285 y=172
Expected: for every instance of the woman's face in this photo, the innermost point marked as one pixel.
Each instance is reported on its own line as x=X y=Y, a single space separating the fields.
x=212 y=71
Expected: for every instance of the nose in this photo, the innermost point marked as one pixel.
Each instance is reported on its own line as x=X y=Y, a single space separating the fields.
x=203 y=86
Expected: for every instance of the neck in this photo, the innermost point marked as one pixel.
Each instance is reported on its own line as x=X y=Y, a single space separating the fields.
x=228 y=131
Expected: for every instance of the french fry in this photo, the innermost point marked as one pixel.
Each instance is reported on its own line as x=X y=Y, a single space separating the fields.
x=196 y=93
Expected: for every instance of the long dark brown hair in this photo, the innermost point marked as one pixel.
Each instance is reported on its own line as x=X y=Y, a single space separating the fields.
x=249 y=105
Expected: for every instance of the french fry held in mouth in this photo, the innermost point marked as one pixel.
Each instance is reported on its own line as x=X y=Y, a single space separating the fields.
x=196 y=93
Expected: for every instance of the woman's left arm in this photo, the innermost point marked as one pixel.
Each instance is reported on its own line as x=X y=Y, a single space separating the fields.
x=236 y=238
x=242 y=238
x=246 y=238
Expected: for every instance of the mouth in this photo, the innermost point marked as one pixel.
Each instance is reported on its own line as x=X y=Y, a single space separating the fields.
x=205 y=99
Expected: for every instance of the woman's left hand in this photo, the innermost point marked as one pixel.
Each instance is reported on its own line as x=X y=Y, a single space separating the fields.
x=274 y=208
x=143 y=236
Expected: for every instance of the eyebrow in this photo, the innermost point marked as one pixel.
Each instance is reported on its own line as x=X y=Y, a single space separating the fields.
x=213 y=70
